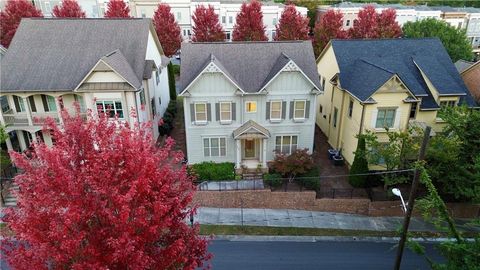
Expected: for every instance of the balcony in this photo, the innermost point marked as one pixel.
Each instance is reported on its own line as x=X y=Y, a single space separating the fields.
x=19 y=119
x=38 y=119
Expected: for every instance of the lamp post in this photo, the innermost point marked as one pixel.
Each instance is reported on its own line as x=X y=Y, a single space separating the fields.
x=398 y=193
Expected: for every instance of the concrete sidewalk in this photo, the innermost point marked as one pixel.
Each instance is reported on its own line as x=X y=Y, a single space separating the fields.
x=309 y=219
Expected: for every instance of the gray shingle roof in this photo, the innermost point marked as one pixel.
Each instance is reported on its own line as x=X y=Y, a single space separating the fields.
x=462 y=65
x=365 y=64
x=249 y=64
x=119 y=63
x=56 y=54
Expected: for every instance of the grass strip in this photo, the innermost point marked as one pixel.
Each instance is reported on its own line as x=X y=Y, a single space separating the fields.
x=294 y=231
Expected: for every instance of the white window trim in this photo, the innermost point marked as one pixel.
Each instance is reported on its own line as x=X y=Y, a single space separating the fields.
x=246 y=107
x=271 y=109
x=281 y=143
x=225 y=121
x=295 y=109
x=210 y=146
x=382 y=129
x=114 y=107
x=206 y=113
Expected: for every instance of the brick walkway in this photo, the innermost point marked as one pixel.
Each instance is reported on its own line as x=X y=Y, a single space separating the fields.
x=178 y=132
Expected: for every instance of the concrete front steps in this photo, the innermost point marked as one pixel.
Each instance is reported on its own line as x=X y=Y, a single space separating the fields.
x=252 y=176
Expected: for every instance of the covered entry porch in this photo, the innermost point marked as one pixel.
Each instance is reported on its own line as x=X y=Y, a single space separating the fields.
x=251 y=146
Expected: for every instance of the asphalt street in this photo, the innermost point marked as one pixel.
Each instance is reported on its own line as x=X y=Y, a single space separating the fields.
x=233 y=255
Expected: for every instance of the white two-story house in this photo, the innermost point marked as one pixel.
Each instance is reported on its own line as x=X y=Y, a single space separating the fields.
x=244 y=101
x=106 y=65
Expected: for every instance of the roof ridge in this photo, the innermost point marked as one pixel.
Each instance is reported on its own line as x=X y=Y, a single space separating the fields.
x=377 y=66
x=85 y=19
x=247 y=42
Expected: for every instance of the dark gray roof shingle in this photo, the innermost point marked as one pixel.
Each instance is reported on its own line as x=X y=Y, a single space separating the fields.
x=365 y=64
x=56 y=54
x=249 y=64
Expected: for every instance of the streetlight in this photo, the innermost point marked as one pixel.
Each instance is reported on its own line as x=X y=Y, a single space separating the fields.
x=398 y=193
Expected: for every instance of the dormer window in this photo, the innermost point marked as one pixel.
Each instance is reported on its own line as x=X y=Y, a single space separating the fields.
x=449 y=103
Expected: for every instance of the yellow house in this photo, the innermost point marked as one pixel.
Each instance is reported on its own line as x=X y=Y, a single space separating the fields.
x=393 y=83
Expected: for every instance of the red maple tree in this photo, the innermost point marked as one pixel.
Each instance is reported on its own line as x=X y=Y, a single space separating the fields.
x=329 y=27
x=167 y=29
x=249 y=25
x=206 y=27
x=11 y=16
x=292 y=25
x=365 y=26
x=370 y=24
x=387 y=26
x=117 y=9
x=104 y=197
x=68 y=9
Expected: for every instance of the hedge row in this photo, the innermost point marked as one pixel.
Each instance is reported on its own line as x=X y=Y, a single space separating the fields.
x=168 y=118
x=211 y=171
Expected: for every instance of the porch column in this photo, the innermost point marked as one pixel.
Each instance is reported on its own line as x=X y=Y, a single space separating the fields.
x=34 y=136
x=59 y=110
x=29 y=113
x=239 y=153
x=9 y=143
x=264 y=154
x=21 y=140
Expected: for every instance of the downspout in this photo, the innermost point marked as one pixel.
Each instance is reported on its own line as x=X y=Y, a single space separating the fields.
x=340 y=122
x=330 y=115
x=362 y=118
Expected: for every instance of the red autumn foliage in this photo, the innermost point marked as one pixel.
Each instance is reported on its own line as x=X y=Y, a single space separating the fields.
x=298 y=162
x=387 y=26
x=167 y=29
x=329 y=27
x=68 y=9
x=370 y=24
x=292 y=25
x=206 y=27
x=249 y=25
x=117 y=9
x=10 y=18
x=104 y=197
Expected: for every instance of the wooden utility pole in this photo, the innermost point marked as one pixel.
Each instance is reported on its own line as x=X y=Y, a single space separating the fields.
x=411 y=200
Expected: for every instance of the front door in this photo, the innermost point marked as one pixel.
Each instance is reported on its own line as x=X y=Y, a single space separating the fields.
x=249 y=148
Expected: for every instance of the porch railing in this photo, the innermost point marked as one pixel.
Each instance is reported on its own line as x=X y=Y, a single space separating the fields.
x=39 y=118
x=16 y=119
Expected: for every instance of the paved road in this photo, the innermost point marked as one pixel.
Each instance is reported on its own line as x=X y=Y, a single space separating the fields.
x=233 y=255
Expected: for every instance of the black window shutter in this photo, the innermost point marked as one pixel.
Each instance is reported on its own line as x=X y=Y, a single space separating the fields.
x=234 y=111
x=45 y=103
x=209 y=112
x=284 y=109
x=307 y=109
x=292 y=104
x=217 y=111
x=31 y=100
x=17 y=104
x=192 y=112
x=267 y=111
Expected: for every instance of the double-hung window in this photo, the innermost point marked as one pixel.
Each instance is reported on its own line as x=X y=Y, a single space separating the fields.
x=201 y=112
x=449 y=103
x=225 y=111
x=111 y=107
x=19 y=105
x=276 y=110
x=286 y=144
x=214 y=147
x=385 y=118
x=49 y=103
x=299 y=109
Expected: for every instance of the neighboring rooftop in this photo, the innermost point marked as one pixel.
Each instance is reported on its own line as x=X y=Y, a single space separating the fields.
x=249 y=64
x=365 y=65
x=56 y=54
x=462 y=65
x=400 y=6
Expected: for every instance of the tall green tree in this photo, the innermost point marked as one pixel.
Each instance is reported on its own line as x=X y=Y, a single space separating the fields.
x=454 y=40
x=359 y=165
x=453 y=157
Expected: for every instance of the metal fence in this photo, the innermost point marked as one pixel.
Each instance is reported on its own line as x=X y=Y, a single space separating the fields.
x=256 y=184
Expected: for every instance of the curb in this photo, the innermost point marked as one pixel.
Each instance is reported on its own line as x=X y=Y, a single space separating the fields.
x=313 y=239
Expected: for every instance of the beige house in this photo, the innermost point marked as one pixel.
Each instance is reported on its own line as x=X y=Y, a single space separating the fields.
x=378 y=84
x=113 y=66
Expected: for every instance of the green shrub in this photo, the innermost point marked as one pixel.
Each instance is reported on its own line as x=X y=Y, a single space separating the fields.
x=176 y=69
x=172 y=107
x=359 y=165
x=273 y=179
x=211 y=171
x=171 y=81
x=310 y=179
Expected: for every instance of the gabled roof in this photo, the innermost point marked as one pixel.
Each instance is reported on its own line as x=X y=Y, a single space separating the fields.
x=249 y=64
x=119 y=64
x=56 y=54
x=251 y=129
x=365 y=64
